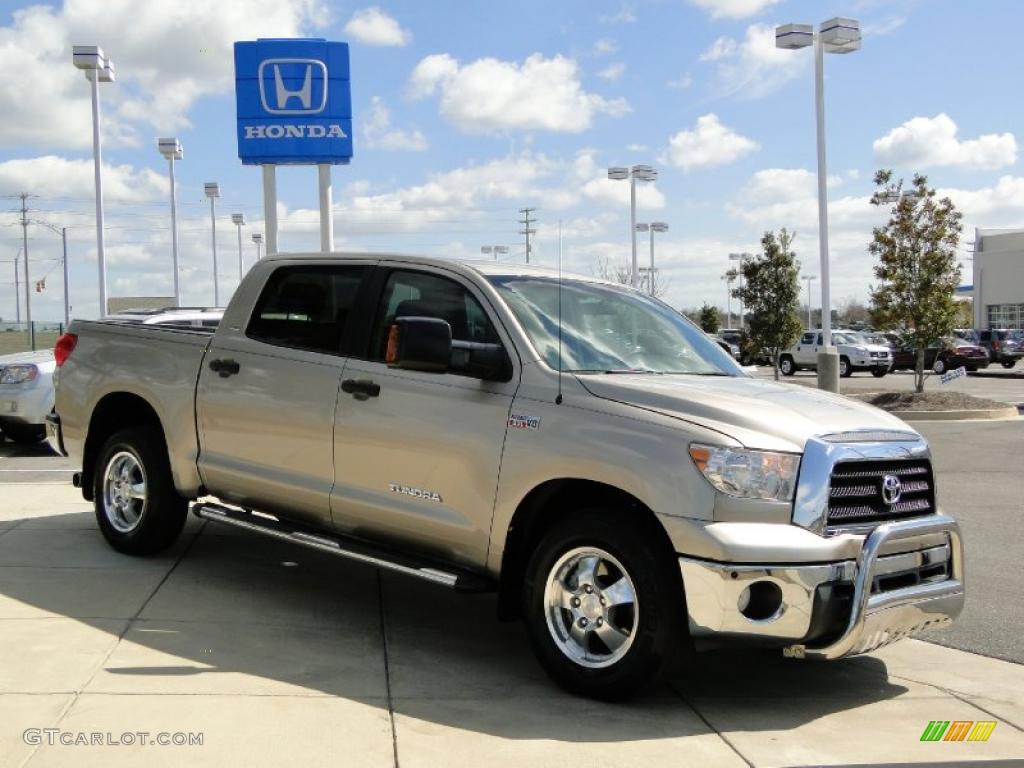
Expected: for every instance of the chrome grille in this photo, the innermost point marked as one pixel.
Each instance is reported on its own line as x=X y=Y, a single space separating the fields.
x=855 y=491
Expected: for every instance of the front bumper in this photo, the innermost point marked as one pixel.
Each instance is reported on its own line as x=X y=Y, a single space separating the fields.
x=26 y=403
x=831 y=610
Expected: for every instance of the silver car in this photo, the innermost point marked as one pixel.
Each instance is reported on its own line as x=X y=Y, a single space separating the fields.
x=26 y=394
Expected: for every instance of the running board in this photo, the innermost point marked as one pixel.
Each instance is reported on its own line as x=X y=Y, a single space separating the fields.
x=461 y=581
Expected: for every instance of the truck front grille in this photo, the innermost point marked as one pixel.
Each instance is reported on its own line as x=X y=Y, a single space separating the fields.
x=857 y=492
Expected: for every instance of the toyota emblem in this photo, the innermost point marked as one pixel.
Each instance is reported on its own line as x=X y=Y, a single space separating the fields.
x=892 y=489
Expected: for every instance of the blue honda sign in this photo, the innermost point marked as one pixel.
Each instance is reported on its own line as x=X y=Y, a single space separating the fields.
x=294 y=102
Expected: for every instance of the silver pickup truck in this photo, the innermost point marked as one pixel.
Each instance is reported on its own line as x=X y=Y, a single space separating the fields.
x=573 y=445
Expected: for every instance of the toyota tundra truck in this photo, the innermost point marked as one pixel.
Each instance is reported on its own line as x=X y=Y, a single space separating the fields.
x=575 y=446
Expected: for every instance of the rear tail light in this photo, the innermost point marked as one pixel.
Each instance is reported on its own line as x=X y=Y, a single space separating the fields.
x=64 y=347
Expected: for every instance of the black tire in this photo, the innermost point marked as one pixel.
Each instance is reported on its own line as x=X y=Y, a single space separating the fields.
x=163 y=511
x=878 y=372
x=845 y=361
x=659 y=601
x=786 y=362
x=24 y=434
x=1009 y=363
x=939 y=366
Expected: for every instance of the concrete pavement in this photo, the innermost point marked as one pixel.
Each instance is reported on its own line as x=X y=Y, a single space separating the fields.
x=282 y=656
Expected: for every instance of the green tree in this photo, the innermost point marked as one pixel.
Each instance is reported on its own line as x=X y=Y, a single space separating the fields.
x=917 y=268
x=770 y=295
x=709 y=318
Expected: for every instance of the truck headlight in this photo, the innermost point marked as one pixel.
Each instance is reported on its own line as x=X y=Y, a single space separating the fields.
x=18 y=374
x=748 y=474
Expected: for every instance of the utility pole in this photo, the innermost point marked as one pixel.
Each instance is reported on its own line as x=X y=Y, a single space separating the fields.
x=526 y=221
x=24 y=240
x=17 y=288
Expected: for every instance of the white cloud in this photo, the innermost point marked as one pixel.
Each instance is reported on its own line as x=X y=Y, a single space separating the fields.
x=709 y=143
x=733 y=9
x=753 y=67
x=373 y=26
x=612 y=72
x=787 y=197
x=636 y=147
x=167 y=55
x=605 y=46
x=492 y=96
x=625 y=15
x=682 y=82
x=52 y=176
x=932 y=141
x=378 y=132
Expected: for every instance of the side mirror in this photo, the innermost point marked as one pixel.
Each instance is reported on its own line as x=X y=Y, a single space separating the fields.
x=419 y=344
x=481 y=361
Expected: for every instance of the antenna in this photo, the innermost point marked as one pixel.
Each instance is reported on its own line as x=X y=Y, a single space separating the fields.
x=558 y=398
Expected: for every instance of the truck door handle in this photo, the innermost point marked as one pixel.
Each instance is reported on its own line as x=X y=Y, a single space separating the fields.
x=360 y=389
x=225 y=367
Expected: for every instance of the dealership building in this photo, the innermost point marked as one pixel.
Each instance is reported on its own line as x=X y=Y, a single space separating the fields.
x=999 y=278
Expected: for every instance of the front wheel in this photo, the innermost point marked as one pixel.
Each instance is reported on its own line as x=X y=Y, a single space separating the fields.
x=845 y=369
x=879 y=372
x=137 y=507
x=787 y=366
x=603 y=605
x=1009 y=363
x=939 y=366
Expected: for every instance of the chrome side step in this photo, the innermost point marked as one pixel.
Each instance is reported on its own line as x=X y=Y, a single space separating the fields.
x=462 y=581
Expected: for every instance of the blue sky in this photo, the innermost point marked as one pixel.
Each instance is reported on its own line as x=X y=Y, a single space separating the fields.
x=466 y=112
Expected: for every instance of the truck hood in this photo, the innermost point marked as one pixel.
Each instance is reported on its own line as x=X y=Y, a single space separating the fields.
x=757 y=413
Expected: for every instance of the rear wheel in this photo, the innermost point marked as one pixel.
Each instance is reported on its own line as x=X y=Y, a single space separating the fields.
x=137 y=507
x=845 y=369
x=1009 y=363
x=787 y=366
x=24 y=434
x=939 y=366
x=603 y=605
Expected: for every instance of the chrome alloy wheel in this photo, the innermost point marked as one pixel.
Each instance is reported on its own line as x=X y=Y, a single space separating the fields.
x=591 y=607
x=124 y=491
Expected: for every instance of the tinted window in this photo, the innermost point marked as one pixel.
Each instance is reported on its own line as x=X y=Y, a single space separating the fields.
x=306 y=307
x=819 y=340
x=419 y=294
x=807 y=339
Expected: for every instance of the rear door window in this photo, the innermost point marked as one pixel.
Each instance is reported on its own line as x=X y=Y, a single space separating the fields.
x=306 y=307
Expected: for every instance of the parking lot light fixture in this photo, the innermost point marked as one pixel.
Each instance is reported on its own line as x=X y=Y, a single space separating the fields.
x=171 y=149
x=837 y=35
x=98 y=69
x=643 y=173
x=257 y=237
x=739 y=271
x=212 y=191
x=238 y=219
x=809 y=278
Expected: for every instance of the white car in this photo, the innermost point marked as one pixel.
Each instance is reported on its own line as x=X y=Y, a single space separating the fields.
x=856 y=353
x=26 y=394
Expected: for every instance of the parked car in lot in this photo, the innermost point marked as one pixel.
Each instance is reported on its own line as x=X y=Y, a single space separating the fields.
x=26 y=395
x=856 y=353
x=571 y=444
x=944 y=355
x=1005 y=346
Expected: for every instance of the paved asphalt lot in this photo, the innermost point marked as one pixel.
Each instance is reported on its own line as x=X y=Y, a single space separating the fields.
x=282 y=656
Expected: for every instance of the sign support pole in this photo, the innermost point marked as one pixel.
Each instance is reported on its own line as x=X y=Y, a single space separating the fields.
x=326 y=214
x=270 y=206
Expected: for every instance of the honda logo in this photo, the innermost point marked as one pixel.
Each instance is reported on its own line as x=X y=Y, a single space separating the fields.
x=892 y=489
x=294 y=83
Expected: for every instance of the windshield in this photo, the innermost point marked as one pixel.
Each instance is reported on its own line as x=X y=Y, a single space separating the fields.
x=610 y=329
x=847 y=338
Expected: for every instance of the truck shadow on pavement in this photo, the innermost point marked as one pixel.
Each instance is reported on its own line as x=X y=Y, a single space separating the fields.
x=229 y=612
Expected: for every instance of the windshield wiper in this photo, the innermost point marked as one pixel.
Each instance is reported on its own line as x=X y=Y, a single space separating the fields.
x=613 y=370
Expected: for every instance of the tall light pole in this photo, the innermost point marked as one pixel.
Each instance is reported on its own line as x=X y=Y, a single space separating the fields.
x=171 y=149
x=740 y=257
x=495 y=249
x=257 y=238
x=809 y=278
x=728 y=298
x=654 y=226
x=98 y=69
x=643 y=173
x=238 y=220
x=212 y=190
x=838 y=35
